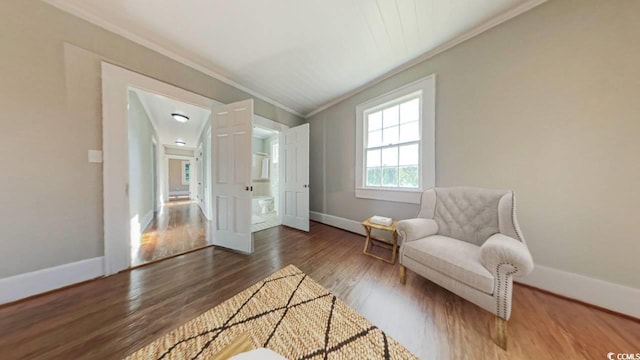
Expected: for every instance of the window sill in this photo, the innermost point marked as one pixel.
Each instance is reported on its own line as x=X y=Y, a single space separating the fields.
x=403 y=196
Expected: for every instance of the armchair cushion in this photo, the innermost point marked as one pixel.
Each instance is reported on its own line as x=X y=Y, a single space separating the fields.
x=468 y=213
x=502 y=249
x=414 y=229
x=457 y=259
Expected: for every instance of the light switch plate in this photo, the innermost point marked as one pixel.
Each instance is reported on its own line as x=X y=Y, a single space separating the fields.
x=95 y=156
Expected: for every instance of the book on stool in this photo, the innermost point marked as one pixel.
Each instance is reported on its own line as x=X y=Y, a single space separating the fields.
x=381 y=220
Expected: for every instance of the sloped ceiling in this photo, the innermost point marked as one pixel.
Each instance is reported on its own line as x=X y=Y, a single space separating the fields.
x=298 y=54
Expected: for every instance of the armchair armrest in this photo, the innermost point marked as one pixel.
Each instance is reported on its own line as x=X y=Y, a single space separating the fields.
x=501 y=249
x=414 y=229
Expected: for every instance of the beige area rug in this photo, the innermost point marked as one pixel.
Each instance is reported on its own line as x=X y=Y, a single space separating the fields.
x=287 y=312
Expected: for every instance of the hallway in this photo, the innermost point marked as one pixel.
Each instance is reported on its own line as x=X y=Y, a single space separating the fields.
x=178 y=228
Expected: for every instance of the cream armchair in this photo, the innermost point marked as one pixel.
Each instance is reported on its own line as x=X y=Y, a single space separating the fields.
x=468 y=241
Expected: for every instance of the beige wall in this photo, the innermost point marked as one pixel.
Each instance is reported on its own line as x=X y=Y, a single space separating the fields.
x=545 y=104
x=175 y=176
x=141 y=135
x=50 y=95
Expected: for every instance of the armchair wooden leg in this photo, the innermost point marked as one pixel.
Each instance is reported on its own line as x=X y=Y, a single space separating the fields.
x=403 y=275
x=501 y=332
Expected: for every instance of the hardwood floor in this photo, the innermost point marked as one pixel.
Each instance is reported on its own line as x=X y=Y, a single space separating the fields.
x=112 y=317
x=179 y=228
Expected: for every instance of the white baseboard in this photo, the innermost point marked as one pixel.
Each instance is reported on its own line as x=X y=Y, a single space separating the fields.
x=24 y=285
x=179 y=193
x=342 y=223
x=611 y=296
x=619 y=298
x=204 y=211
x=146 y=221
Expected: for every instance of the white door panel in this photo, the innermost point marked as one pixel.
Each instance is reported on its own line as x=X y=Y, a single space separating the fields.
x=296 y=178
x=221 y=147
x=232 y=132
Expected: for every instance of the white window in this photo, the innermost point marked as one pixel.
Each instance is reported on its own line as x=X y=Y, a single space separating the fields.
x=396 y=143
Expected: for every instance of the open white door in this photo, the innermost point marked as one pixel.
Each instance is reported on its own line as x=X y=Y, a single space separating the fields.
x=232 y=130
x=295 y=175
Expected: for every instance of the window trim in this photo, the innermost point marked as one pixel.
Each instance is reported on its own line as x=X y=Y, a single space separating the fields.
x=381 y=107
x=426 y=86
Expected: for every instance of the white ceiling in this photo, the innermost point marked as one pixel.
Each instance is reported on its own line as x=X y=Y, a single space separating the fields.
x=262 y=133
x=301 y=54
x=159 y=110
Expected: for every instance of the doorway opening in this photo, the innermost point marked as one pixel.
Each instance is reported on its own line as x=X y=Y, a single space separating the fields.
x=265 y=172
x=179 y=172
x=226 y=156
x=166 y=204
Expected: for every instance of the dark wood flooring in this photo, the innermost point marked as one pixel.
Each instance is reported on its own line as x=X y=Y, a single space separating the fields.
x=112 y=317
x=180 y=227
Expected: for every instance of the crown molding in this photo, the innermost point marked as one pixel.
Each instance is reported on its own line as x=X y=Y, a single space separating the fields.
x=68 y=8
x=495 y=21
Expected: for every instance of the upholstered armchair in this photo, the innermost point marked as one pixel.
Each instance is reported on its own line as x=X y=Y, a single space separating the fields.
x=468 y=241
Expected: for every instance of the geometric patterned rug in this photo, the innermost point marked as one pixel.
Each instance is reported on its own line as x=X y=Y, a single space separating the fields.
x=287 y=312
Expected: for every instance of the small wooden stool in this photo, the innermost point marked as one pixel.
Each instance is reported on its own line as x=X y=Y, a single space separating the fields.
x=371 y=241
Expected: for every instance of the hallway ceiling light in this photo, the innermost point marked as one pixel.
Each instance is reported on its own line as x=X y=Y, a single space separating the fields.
x=181 y=142
x=180 y=117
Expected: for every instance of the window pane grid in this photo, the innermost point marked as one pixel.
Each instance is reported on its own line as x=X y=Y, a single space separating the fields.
x=387 y=167
x=379 y=138
x=392 y=145
x=394 y=124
